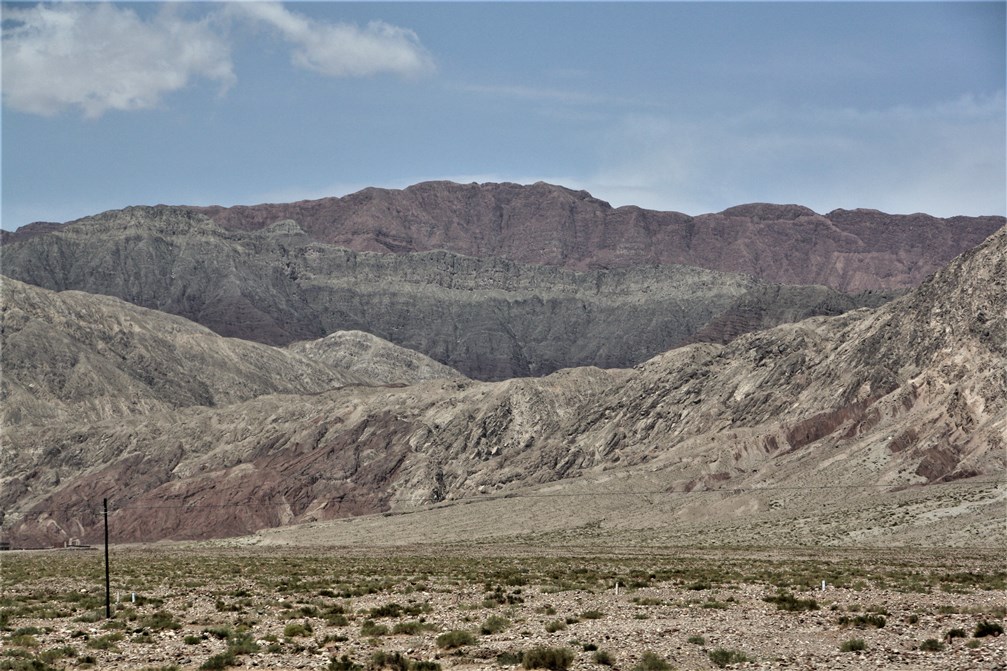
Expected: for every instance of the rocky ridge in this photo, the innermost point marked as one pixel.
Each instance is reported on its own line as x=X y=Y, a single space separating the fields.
x=848 y=250
x=490 y=318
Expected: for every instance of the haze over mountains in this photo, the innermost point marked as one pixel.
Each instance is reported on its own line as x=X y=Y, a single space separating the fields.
x=104 y=398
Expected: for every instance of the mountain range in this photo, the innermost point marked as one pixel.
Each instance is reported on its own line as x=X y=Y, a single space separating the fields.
x=494 y=280
x=193 y=435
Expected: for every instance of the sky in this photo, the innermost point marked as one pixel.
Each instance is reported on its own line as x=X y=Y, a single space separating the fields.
x=693 y=107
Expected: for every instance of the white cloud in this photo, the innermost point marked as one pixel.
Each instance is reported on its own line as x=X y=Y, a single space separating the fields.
x=944 y=159
x=342 y=49
x=103 y=57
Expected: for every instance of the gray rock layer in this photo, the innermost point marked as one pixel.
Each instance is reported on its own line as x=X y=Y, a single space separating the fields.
x=488 y=318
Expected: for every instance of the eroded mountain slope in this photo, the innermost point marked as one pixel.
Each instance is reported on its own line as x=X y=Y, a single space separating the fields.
x=77 y=358
x=828 y=411
x=488 y=318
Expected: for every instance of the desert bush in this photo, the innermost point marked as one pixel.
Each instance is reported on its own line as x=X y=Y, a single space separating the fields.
x=389 y=660
x=541 y=657
x=592 y=615
x=455 y=639
x=57 y=653
x=721 y=657
x=26 y=631
x=371 y=628
x=931 y=645
x=106 y=642
x=413 y=627
x=508 y=658
x=160 y=620
x=787 y=601
x=295 y=629
x=986 y=628
x=387 y=610
x=192 y=639
x=697 y=640
x=243 y=644
x=221 y=660
x=494 y=624
x=222 y=633
x=955 y=633
x=853 y=645
x=861 y=621
x=604 y=658
x=23 y=641
x=555 y=625
x=651 y=661
x=343 y=663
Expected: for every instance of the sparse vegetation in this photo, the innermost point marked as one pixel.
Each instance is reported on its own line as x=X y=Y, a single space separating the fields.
x=986 y=628
x=555 y=659
x=863 y=621
x=604 y=658
x=494 y=624
x=304 y=604
x=787 y=601
x=853 y=645
x=455 y=639
x=651 y=661
x=721 y=657
x=295 y=629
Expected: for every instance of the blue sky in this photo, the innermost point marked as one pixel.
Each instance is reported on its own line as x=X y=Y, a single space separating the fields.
x=692 y=107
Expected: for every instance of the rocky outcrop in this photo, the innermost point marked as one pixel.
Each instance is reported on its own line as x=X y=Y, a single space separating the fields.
x=489 y=318
x=908 y=395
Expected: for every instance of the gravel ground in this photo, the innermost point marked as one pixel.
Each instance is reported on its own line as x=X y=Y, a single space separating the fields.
x=49 y=598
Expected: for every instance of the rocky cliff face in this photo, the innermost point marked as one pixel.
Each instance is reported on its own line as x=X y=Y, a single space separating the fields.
x=848 y=250
x=489 y=318
x=904 y=396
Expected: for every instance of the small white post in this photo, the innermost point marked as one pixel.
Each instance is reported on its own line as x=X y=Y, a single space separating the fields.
x=134 y=596
x=823 y=585
x=617 y=588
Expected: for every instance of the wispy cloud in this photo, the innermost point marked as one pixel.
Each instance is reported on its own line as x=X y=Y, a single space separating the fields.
x=103 y=57
x=537 y=94
x=945 y=159
x=342 y=49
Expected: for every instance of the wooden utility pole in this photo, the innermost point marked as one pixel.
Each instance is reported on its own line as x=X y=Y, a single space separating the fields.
x=108 y=599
